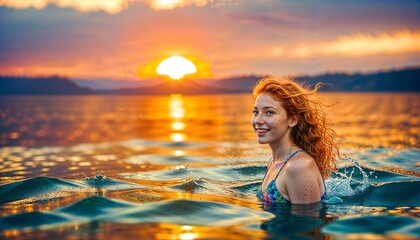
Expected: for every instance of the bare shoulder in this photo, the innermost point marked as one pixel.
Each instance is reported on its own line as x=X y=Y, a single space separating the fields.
x=303 y=180
x=301 y=163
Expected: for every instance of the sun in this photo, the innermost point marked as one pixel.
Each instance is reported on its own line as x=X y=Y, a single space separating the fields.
x=176 y=67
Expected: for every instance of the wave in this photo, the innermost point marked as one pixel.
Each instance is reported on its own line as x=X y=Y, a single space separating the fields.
x=374 y=225
x=104 y=182
x=191 y=185
x=214 y=203
x=100 y=209
x=95 y=206
x=356 y=185
x=35 y=186
x=235 y=173
x=190 y=212
x=32 y=220
x=353 y=184
x=392 y=195
x=49 y=187
x=349 y=185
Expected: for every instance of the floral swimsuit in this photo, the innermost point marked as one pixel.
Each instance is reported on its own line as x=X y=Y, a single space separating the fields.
x=271 y=194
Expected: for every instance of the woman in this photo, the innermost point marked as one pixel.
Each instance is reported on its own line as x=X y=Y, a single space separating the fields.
x=303 y=146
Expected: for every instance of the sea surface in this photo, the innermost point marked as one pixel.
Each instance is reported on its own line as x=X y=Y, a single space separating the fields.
x=188 y=167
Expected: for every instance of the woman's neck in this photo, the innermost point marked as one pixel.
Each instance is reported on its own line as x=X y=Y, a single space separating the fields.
x=282 y=151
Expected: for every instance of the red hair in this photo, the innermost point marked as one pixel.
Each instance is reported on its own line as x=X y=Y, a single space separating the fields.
x=313 y=132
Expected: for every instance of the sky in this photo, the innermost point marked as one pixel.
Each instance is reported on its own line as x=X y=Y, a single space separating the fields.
x=126 y=39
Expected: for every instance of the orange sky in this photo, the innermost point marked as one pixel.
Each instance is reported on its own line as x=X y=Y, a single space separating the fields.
x=126 y=39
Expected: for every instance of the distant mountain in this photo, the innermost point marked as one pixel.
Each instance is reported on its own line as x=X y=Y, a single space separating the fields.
x=242 y=84
x=406 y=80
x=108 y=84
x=186 y=87
x=41 y=86
x=334 y=81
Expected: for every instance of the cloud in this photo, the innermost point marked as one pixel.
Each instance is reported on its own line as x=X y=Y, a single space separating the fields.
x=107 y=6
x=172 y=4
x=265 y=19
x=358 y=45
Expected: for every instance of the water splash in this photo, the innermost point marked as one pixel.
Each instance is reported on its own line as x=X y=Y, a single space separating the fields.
x=345 y=182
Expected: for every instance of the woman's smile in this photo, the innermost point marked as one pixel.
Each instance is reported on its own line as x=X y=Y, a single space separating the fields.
x=261 y=131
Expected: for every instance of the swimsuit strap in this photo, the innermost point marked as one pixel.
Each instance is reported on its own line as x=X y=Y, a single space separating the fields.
x=292 y=155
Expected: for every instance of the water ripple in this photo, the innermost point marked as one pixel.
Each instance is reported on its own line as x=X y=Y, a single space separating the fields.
x=33 y=187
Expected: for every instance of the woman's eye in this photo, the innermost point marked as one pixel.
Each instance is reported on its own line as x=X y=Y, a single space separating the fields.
x=269 y=113
x=255 y=112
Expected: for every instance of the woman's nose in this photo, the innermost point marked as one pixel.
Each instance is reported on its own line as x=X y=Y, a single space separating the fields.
x=258 y=119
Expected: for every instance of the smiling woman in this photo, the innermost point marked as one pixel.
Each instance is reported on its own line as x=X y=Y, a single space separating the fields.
x=176 y=67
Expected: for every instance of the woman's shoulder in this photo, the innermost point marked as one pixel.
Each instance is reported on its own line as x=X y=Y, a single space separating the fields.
x=302 y=162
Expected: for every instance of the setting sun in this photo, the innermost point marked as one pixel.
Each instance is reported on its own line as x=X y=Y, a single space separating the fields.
x=176 y=67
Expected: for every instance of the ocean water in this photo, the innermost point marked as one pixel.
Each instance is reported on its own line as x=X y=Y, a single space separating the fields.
x=188 y=167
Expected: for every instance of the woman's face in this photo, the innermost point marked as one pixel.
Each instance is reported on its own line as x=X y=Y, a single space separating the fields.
x=270 y=121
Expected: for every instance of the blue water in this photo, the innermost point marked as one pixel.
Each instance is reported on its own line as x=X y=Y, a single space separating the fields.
x=360 y=200
x=200 y=184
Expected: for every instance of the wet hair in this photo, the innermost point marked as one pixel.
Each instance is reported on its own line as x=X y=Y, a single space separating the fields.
x=313 y=132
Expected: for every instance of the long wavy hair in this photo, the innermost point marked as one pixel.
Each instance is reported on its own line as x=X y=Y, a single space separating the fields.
x=313 y=132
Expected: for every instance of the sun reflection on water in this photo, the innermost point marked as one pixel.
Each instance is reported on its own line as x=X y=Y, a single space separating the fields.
x=178 y=153
x=177 y=137
x=177 y=126
x=177 y=114
x=176 y=106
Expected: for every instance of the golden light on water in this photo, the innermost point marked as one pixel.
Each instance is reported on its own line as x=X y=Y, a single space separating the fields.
x=177 y=113
x=176 y=67
x=186 y=227
x=177 y=125
x=177 y=137
x=188 y=233
x=179 y=153
x=187 y=236
x=176 y=106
